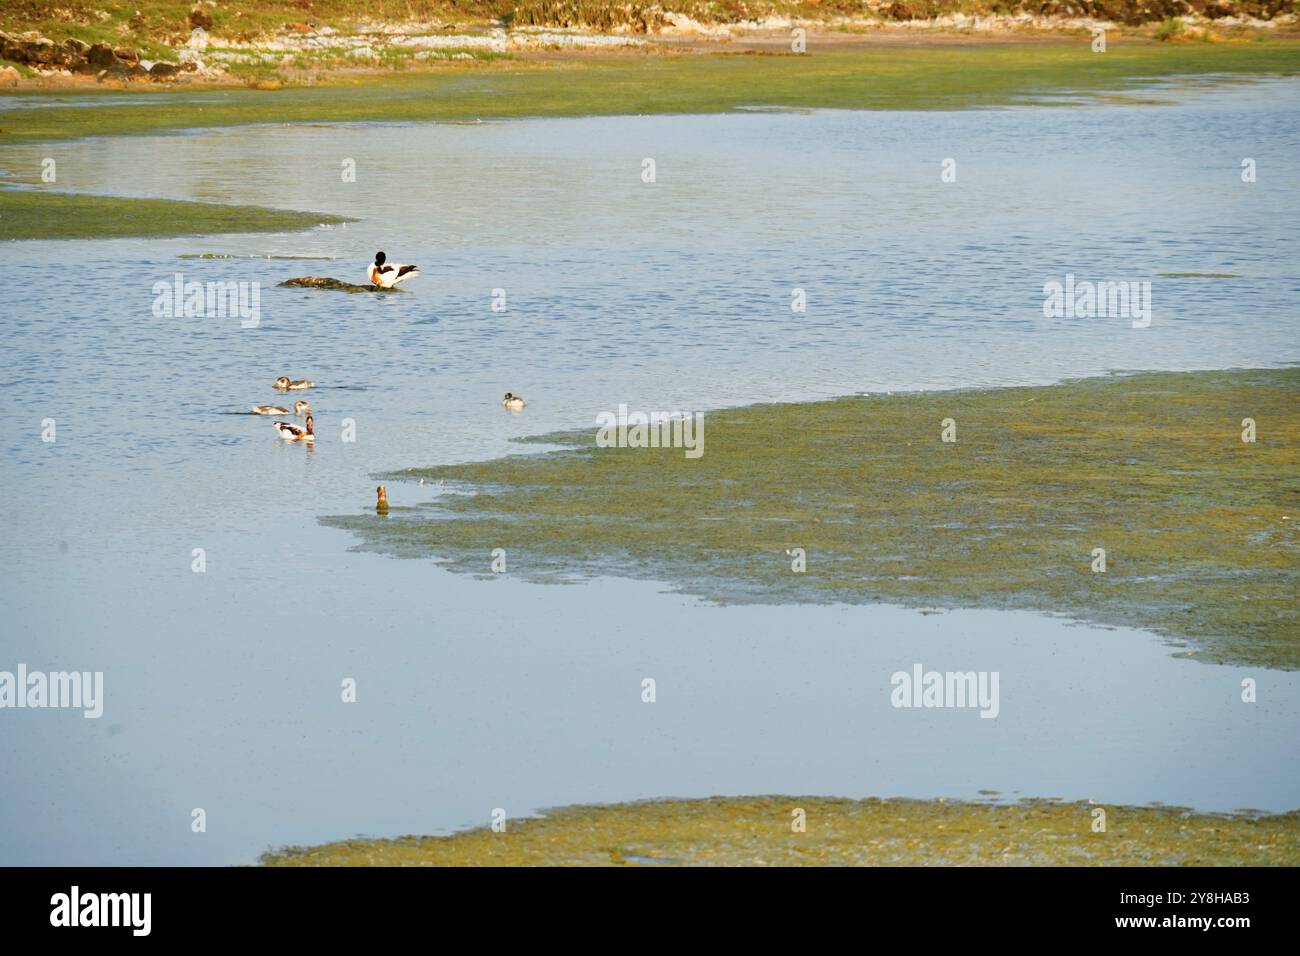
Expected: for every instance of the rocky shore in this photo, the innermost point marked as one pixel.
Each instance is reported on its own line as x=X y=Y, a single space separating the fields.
x=73 y=57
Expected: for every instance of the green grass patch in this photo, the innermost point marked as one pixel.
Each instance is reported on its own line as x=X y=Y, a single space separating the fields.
x=756 y=831
x=37 y=214
x=129 y=22
x=257 y=71
x=1199 y=527
x=22 y=68
x=947 y=77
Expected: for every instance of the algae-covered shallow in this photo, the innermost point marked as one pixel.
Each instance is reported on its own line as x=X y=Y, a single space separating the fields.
x=36 y=214
x=1197 y=524
x=760 y=831
x=889 y=77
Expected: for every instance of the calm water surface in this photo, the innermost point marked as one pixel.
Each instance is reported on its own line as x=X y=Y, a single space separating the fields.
x=222 y=688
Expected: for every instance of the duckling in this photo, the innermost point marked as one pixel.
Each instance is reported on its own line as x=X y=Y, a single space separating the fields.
x=512 y=402
x=300 y=408
x=381 y=505
x=294 y=433
x=269 y=410
x=286 y=384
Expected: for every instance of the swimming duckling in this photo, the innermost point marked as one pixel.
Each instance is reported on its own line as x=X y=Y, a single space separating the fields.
x=301 y=408
x=294 y=433
x=286 y=384
x=381 y=505
x=512 y=402
x=269 y=410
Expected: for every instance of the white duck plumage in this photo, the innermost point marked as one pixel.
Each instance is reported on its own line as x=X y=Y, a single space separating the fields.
x=513 y=402
x=290 y=432
x=386 y=275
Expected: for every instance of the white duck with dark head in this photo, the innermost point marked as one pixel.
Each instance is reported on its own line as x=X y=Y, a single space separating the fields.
x=386 y=275
x=291 y=432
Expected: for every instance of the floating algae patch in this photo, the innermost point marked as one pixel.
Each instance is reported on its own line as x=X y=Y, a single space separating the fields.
x=36 y=214
x=338 y=285
x=756 y=831
x=231 y=255
x=1199 y=527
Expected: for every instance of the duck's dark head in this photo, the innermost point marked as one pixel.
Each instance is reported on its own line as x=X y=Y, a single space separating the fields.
x=309 y=420
x=508 y=396
x=381 y=493
x=380 y=258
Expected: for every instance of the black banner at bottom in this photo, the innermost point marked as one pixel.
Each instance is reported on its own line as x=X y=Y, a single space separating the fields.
x=336 y=905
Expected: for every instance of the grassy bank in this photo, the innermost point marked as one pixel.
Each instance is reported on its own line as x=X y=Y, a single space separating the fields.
x=36 y=214
x=1199 y=528
x=756 y=831
x=121 y=21
x=124 y=22
x=941 y=77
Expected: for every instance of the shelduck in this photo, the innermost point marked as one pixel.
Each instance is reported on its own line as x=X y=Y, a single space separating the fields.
x=512 y=402
x=301 y=408
x=269 y=410
x=381 y=505
x=387 y=274
x=295 y=432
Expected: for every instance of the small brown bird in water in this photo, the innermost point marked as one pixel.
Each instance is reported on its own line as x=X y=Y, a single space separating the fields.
x=381 y=505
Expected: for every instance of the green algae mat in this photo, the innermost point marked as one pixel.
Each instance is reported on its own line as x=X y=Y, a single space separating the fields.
x=758 y=831
x=36 y=214
x=1198 y=526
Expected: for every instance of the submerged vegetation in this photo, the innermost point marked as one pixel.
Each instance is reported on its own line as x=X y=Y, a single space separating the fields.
x=758 y=831
x=1198 y=526
x=36 y=214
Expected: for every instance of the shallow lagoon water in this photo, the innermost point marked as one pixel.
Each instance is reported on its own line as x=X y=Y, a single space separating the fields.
x=223 y=688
